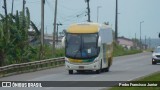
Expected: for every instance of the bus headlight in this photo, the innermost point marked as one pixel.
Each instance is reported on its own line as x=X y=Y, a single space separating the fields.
x=96 y=60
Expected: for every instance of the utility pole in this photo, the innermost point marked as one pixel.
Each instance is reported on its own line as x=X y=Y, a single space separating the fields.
x=135 y=40
x=55 y=21
x=98 y=12
x=5 y=7
x=24 y=2
x=42 y=29
x=88 y=8
x=116 y=22
x=6 y=20
x=23 y=9
x=149 y=42
x=58 y=24
x=140 y=35
x=12 y=7
x=135 y=36
x=145 y=41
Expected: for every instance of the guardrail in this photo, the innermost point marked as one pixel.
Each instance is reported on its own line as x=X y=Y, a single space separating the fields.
x=30 y=66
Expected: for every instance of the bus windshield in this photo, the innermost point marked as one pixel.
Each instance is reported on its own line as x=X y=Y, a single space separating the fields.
x=81 y=46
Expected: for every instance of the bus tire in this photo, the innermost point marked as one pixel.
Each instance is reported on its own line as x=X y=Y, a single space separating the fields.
x=99 y=70
x=106 y=69
x=70 y=71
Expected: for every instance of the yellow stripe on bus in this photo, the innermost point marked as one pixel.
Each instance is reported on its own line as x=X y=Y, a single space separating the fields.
x=83 y=28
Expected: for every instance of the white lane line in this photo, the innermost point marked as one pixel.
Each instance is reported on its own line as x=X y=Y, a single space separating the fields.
x=142 y=76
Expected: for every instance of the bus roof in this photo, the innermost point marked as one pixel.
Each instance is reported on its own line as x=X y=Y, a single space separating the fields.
x=84 y=28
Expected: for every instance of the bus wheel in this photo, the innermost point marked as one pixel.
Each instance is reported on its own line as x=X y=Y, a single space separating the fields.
x=70 y=71
x=109 y=64
x=99 y=70
x=106 y=69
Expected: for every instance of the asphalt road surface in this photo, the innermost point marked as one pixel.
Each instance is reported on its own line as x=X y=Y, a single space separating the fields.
x=124 y=68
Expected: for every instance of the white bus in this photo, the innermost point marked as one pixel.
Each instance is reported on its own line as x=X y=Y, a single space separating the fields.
x=88 y=46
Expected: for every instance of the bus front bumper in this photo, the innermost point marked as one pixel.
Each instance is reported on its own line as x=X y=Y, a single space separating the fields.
x=91 y=66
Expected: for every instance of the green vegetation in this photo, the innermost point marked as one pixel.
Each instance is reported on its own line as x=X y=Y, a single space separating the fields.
x=48 y=53
x=154 y=77
x=14 y=40
x=120 y=51
x=15 y=46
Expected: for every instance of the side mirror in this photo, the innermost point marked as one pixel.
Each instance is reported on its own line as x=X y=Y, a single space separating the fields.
x=63 y=42
x=159 y=35
x=99 y=41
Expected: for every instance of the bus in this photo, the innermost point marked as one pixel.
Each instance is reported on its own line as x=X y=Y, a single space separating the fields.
x=88 y=46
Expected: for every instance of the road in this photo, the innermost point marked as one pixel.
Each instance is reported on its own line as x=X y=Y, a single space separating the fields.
x=124 y=68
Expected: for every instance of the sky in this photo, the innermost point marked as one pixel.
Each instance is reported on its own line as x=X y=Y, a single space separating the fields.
x=131 y=13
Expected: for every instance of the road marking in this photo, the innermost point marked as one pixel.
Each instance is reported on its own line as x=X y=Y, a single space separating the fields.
x=141 y=76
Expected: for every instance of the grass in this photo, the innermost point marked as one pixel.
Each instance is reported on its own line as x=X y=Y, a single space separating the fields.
x=120 y=51
x=34 y=55
x=48 y=53
x=153 y=77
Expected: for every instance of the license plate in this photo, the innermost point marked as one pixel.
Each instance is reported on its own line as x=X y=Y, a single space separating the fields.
x=81 y=67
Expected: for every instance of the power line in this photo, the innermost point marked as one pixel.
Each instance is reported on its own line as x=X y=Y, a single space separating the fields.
x=66 y=18
x=73 y=15
x=77 y=13
x=51 y=8
x=72 y=18
x=33 y=1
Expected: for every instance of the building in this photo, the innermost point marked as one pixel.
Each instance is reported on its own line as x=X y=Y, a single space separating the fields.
x=125 y=42
x=48 y=39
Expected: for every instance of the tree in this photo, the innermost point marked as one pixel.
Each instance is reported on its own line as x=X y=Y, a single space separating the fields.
x=14 y=43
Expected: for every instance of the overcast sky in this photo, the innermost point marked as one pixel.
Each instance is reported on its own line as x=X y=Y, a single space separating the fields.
x=132 y=12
